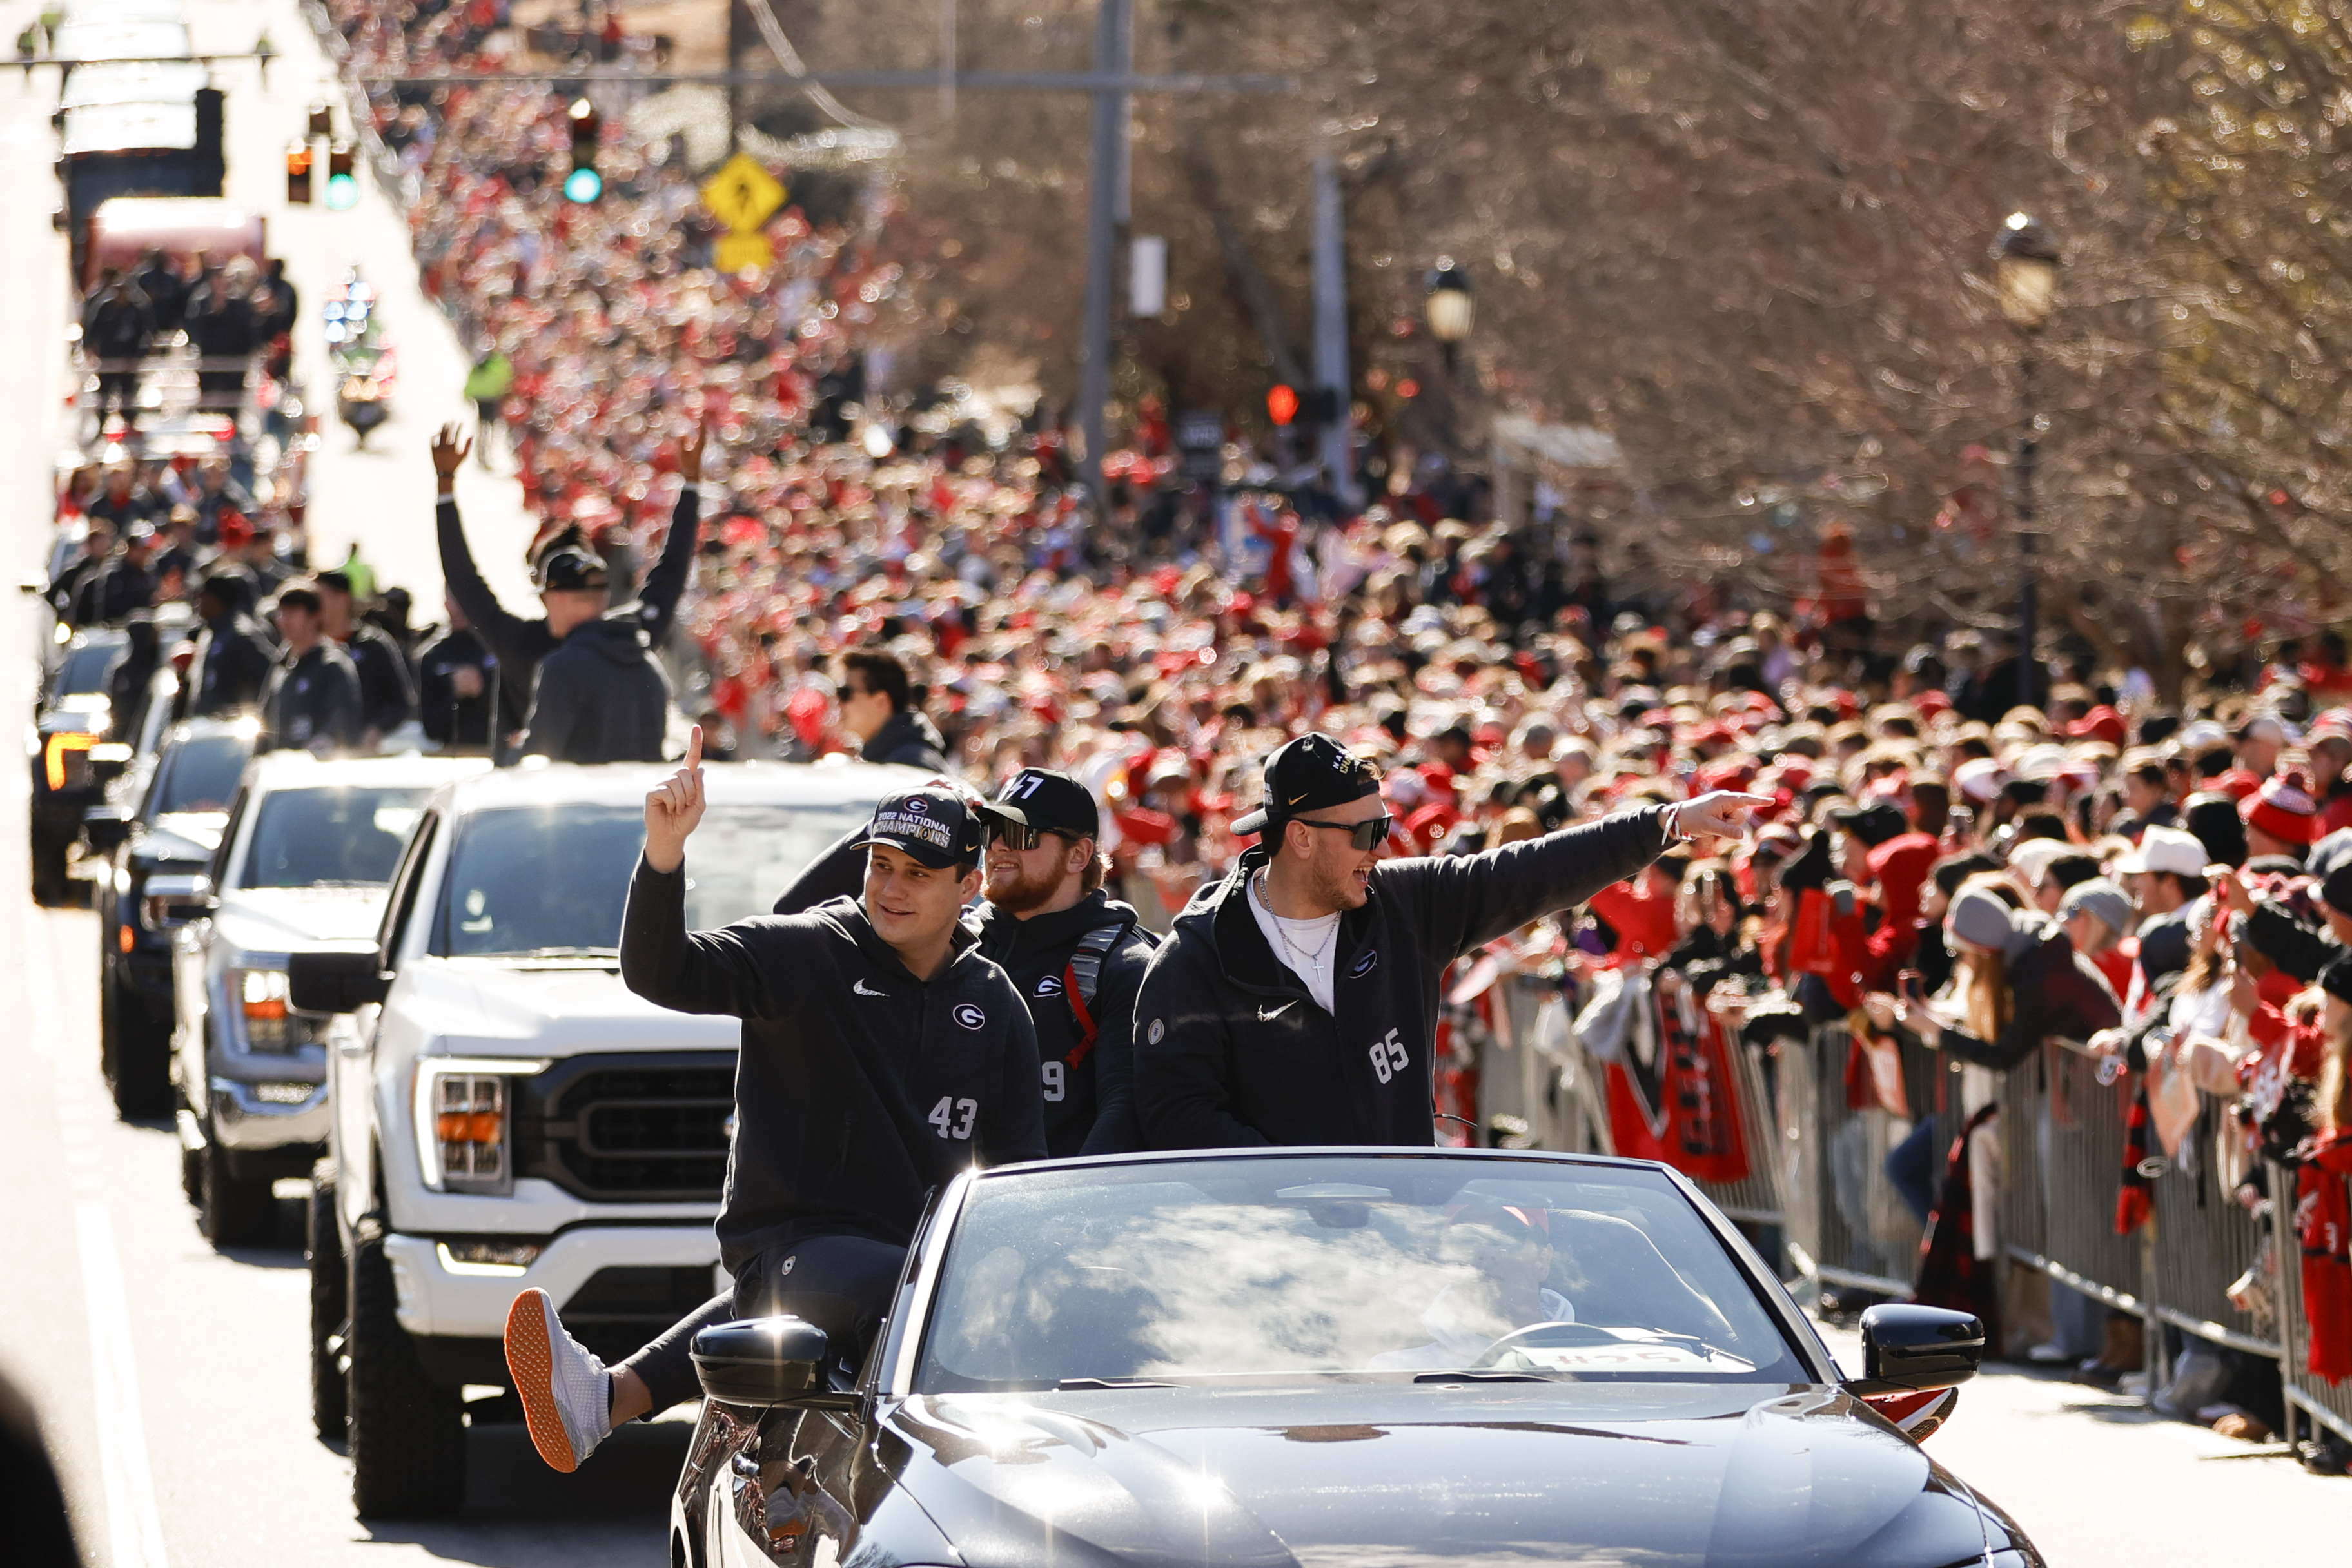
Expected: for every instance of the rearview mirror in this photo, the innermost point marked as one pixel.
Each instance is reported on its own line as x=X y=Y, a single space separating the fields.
x=763 y=1362
x=168 y=902
x=1907 y=1348
x=334 y=982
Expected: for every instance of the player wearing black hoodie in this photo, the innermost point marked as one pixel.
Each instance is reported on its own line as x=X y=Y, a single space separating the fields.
x=1296 y=1002
x=881 y=1055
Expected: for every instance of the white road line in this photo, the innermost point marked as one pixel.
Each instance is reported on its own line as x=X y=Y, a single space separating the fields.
x=134 y=1527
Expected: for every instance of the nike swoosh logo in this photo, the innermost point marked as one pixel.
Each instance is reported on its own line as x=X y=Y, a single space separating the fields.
x=1297 y=799
x=1268 y=1015
x=860 y=987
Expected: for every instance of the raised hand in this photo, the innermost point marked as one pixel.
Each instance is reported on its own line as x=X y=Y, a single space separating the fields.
x=1720 y=814
x=689 y=452
x=450 y=448
x=674 y=808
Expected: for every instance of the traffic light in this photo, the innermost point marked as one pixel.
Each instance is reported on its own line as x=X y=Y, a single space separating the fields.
x=343 y=177
x=1282 y=403
x=298 y=174
x=583 y=184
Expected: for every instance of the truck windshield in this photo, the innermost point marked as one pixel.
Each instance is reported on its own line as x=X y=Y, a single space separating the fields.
x=349 y=835
x=551 y=879
x=86 y=669
x=200 y=772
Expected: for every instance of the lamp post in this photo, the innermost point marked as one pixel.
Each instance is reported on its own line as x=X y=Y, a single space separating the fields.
x=1448 y=305
x=2025 y=275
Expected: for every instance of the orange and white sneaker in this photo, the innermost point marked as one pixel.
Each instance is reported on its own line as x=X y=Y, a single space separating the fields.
x=566 y=1394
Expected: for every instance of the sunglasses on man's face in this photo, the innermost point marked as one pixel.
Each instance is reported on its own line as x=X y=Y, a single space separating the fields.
x=1020 y=837
x=1365 y=835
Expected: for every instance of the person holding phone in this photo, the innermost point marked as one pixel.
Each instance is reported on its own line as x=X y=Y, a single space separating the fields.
x=1296 y=1001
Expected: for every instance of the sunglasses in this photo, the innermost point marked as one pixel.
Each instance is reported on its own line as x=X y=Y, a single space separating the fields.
x=1362 y=835
x=1020 y=837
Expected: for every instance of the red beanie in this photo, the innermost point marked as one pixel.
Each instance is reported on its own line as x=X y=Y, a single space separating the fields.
x=2282 y=807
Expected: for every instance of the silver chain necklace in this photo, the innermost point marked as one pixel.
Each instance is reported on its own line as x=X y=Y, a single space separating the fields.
x=1305 y=963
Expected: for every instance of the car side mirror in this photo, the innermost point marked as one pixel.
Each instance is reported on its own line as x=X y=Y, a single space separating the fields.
x=334 y=982
x=105 y=827
x=1908 y=1348
x=765 y=1362
x=168 y=902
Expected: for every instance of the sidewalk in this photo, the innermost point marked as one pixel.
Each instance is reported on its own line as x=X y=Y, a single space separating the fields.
x=2100 y=1481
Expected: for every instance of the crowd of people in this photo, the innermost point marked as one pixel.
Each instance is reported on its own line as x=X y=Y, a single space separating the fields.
x=1965 y=847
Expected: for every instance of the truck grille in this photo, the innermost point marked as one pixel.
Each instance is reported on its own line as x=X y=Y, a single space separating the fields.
x=630 y=1129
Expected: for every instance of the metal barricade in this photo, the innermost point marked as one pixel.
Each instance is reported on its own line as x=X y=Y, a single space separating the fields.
x=1847 y=1222
x=1762 y=1197
x=2329 y=1404
x=2204 y=1240
x=2078 y=1153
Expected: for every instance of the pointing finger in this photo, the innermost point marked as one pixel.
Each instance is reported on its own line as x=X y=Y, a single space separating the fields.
x=694 y=749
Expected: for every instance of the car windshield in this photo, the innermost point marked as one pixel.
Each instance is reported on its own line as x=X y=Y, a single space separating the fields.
x=200 y=774
x=334 y=836
x=551 y=879
x=85 y=668
x=1279 y=1268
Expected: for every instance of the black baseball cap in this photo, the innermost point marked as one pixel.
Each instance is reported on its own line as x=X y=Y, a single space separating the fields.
x=1048 y=801
x=570 y=570
x=1874 y=824
x=931 y=824
x=1307 y=775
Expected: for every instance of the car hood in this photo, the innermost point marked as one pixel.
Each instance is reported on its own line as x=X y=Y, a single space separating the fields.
x=181 y=836
x=496 y=1008
x=283 y=919
x=1654 y=1474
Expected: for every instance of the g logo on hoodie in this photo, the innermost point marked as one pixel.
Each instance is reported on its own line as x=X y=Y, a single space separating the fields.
x=970 y=1017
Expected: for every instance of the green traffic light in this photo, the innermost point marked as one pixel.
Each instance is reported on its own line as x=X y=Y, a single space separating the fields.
x=582 y=186
x=342 y=193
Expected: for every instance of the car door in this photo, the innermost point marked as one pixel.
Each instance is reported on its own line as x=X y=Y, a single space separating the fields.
x=350 y=1063
x=790 y=1486
x=192 y=997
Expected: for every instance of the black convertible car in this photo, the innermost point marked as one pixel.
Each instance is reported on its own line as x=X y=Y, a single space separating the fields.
x=1327 y=1358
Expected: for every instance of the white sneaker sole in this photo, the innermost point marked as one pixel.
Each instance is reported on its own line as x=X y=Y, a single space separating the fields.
x=531 y=1360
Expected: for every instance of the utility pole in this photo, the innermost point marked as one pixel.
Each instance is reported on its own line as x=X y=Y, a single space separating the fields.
x=1113 y=42
x=735 y=20
x=1331 y=324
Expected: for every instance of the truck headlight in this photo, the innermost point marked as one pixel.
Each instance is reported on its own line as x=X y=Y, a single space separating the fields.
x=259 y=998
x=464 y=1120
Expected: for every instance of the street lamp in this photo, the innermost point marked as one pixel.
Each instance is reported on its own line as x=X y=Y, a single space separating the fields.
x=2025 y=276
x=1446 y=302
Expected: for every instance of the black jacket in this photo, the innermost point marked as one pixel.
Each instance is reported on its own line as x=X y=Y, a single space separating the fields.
x=601 y=699
x=312 y=702
x=1094 y=1110
x=447 y=718
x=387 y=689
x=520 y=644
x=2052 y=990
x=2300 y=950
x=108 y=595
x=1090 y=1107
x=910 y=739
x=234 y=658
x=1231 y=1050
x=859 y=1087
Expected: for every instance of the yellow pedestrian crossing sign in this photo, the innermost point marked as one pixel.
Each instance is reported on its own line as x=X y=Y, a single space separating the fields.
x=741 y=252
x=742 y=194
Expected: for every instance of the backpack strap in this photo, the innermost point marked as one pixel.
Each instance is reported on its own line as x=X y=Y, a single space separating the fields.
x=1082 y=979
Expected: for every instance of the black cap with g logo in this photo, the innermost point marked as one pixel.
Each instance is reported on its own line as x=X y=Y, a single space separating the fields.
x=1305 y=775
x=931 y=824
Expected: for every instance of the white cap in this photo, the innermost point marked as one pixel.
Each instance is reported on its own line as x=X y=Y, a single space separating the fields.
x=2166 y=849
x=2031 y=857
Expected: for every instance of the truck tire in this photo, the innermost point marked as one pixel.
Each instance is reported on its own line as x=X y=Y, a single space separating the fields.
x=233 y=1210
x=134 y=1050
x=322 y=1250
x=407 y=1436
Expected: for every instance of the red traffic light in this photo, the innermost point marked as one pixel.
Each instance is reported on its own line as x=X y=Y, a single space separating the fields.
x=1282 y=403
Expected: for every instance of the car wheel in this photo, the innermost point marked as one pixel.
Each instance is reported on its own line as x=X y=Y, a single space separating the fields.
x=50 y=883
x=322 y=1248
x=406 y=1434
x=232 y=1210
x=134 y=1049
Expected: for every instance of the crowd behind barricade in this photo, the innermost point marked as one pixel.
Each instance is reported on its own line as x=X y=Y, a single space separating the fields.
x=1969 y=851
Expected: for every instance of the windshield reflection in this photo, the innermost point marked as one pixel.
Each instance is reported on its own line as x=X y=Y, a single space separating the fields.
x=1335 y=1267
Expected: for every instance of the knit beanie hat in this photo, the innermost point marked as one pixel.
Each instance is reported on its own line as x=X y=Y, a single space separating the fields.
x=2282 y=807
x=2336 y=890
x=1980 y=919
x=2101 y=897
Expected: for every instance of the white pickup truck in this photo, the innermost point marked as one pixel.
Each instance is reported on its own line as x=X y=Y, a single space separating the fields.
x=506 y=1114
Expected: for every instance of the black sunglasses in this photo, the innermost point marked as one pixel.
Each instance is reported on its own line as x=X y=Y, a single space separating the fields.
x=1019 y=837
x=1365 y=835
